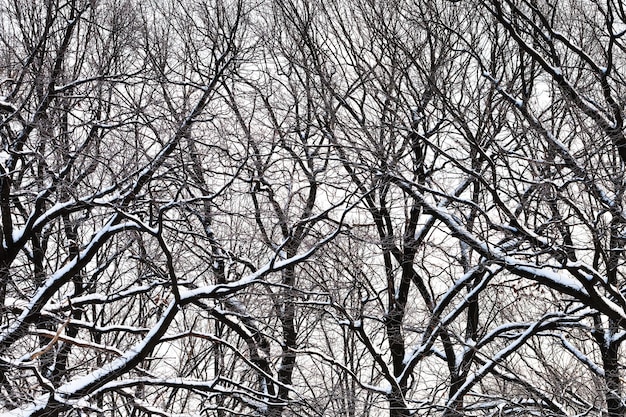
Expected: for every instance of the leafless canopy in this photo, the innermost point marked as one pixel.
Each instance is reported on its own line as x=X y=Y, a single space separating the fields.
x=303 y=208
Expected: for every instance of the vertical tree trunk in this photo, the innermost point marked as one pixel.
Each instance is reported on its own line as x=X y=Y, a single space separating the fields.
x=610 y=360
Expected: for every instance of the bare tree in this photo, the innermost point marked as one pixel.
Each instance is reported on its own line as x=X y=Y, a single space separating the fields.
x=90 y=132
x=300 y=208
x=470 y=142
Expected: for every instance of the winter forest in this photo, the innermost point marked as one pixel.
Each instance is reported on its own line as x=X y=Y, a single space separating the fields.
x=312 y=208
